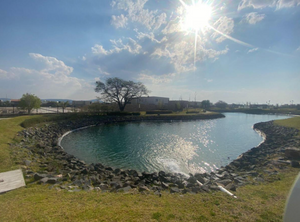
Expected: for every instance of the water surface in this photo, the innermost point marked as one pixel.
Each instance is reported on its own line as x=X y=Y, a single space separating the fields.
x=186 y=147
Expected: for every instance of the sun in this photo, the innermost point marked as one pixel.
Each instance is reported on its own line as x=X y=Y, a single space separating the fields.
x=197 y=16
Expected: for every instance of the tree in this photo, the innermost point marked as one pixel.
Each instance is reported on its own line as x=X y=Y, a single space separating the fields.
x=64 y=105
x=221 y=104
x=29 y=102
x=120 y=91
x=205 y=104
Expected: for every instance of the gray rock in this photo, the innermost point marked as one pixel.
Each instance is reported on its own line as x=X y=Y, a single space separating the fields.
x=125 y=189
x=192 y=179
x=292 y=153
x=294 y=163
x=225 y=182
x=38 y=176
x=231 y=187
x=27 y=162
x=174 y=190
x=143 y=188
x=164 y=185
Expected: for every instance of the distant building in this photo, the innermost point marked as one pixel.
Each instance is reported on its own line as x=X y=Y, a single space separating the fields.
x=15 y=102
x=81 y=103
x=150 y=100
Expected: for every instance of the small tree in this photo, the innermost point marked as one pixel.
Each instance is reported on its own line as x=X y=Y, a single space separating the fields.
x=120 y=91
x=64 y=105
x=29 y=102
x=205 y=104
x=221 y=104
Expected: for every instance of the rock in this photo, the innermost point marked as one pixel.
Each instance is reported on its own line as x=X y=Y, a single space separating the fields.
x=225 y=182
x=103 y=186
x=200 y=178
x=292 y=153
x=143 y=188
x=157 y=193
x=231 y=187
x=27 y=162
x=98 y=189
x=164 y=185
x=294 y=163
x=52 y=180
x=174 y=190
x=125 y=189
x=192 y=179
x=38 y=176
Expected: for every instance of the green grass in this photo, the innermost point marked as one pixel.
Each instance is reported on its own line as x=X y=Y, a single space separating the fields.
x=255 y=203
x=264 y=202
x=292 y=122
x=8 y=130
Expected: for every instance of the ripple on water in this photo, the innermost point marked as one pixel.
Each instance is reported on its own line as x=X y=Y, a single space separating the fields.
x=185 y=147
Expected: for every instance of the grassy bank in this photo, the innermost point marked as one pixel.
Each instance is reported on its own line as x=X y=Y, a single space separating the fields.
x=262 y=202
x=292 y=122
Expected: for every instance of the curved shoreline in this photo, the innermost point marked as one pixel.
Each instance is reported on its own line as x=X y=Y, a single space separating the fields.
x=71 y=131
x=96 y=176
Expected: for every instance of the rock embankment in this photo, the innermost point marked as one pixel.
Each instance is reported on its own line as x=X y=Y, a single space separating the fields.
x=64 y=171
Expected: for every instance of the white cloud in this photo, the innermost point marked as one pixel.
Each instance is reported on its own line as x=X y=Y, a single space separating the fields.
x=287 y=3
x=252 y=50
x=136 y=13
x=151 y=36
x=5 y=75
x=83 y=58
x=52 y=64
x=224 y=25
x=103 y=72
x=131 y=46
x=154 y=79
x=98 y=49
x=259 y=4
x=119 y=21
x=53 y=81
x=253 y=17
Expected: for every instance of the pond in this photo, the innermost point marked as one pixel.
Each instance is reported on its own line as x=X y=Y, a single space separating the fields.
x=177 y=146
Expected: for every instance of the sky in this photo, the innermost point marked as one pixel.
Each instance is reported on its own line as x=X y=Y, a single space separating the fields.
x=236 y=51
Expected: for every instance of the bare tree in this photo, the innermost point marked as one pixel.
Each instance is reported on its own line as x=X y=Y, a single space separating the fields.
x=120 y=91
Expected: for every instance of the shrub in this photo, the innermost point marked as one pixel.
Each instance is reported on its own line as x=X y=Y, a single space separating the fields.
x=123 y=114
x=159 y=112
x=190 y=112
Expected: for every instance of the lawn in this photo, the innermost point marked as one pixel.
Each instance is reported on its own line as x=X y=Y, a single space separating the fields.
x=262 y=202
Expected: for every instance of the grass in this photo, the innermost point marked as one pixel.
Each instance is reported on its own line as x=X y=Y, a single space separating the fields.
x=292 y=122
x=263 y=202
x=8 y=130
x=255 y=203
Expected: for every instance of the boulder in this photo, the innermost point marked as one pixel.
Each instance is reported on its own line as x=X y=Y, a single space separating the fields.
x=39 y=176
x=294 y=163
x=292 y=153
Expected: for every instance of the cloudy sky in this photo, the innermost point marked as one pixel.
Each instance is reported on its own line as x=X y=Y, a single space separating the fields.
x=244 y=50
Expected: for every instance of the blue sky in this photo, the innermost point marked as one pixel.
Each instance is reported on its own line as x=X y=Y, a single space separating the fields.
x=248 y=51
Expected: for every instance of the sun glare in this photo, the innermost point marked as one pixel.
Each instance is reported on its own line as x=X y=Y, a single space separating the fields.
x=197 y=16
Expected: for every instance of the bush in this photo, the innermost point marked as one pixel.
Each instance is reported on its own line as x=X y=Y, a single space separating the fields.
x=122 y=114
x=190 y=112
x=159 y=112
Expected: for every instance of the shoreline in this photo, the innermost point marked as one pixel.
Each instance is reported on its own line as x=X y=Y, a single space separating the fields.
x=75 y=174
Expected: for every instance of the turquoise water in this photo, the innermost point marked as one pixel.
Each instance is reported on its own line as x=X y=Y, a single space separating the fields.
x=185 y=147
